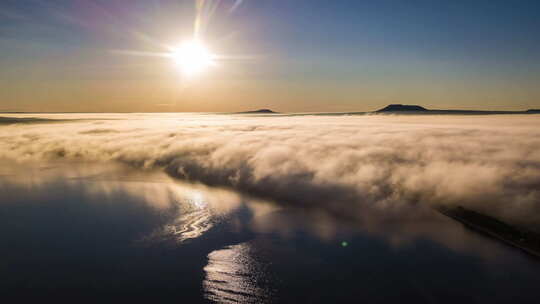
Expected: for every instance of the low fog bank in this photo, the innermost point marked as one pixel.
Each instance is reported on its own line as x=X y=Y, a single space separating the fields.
x=359 y=166
x=22 y=120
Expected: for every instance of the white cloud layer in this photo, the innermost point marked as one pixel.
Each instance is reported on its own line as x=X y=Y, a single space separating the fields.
x=344 y=164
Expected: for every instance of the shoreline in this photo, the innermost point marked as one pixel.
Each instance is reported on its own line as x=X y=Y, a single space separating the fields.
x=524 y=240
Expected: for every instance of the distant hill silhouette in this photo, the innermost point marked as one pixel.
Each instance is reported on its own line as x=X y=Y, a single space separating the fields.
x=416 y=109
x=402 y=108
x=260 y=111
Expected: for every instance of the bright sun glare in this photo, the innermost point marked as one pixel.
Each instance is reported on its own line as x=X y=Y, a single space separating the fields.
x=193 y=57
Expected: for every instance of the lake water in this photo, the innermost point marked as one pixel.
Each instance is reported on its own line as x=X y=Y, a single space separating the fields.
x=80 y=232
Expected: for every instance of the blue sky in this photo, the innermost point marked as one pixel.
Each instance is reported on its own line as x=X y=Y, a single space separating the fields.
x=304 y=55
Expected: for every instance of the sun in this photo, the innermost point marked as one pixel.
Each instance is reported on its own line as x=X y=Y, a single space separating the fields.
x=193 y=57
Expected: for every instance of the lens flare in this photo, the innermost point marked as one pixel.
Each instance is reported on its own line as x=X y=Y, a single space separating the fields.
x=193 y=57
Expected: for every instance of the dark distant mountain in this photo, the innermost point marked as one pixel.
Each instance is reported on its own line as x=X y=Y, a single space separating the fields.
x=415 y=109
x=402 y=108
x=260 y=111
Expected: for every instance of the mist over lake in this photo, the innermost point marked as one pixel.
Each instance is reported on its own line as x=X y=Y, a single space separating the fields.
x=266 y=208
x=349 y=165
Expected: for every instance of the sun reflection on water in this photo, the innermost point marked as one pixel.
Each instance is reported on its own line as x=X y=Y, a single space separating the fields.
x=195 y=220
x=232 y=276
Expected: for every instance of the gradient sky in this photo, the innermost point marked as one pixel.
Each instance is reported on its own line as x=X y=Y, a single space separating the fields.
x=301 y=55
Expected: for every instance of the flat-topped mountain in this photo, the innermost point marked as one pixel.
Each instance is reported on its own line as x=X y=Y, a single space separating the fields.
x=402 y=108
x=415 y=109
x=260 y=111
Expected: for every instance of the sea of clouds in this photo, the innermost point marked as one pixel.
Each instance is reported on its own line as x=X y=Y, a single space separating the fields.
x=360 y=166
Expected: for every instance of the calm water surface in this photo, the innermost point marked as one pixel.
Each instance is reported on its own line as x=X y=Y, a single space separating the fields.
x=76 y=233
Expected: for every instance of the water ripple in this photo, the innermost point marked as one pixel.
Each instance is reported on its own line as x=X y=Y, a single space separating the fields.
x=233 y=275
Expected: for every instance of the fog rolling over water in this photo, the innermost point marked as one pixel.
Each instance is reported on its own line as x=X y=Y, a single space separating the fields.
x=113 y=232
x=371 y=167
x=254 y=209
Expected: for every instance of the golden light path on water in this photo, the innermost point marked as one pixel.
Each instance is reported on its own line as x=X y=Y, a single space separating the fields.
x=230 y=276
x=192 y=205
x=237 y=273
x=198 y=208
x=194 y=214
x=231 y=272
x=195 y=220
